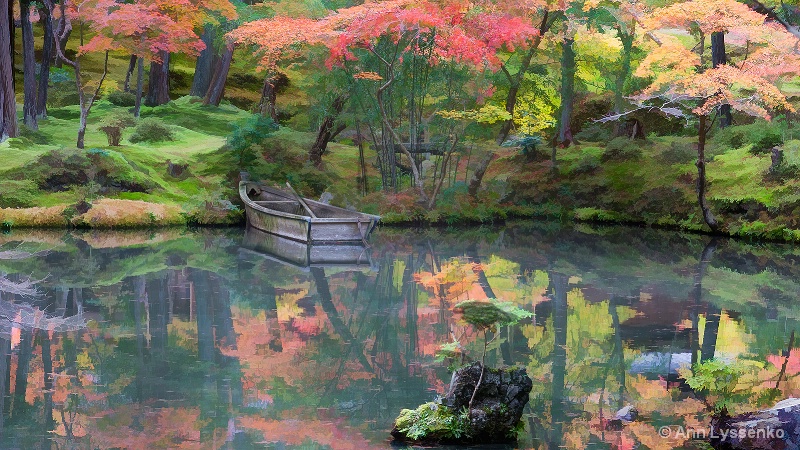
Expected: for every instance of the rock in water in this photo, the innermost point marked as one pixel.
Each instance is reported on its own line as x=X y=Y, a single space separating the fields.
x=496 y=409
x=772 y=429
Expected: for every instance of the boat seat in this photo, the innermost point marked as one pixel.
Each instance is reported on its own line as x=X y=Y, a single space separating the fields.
x=272 y=202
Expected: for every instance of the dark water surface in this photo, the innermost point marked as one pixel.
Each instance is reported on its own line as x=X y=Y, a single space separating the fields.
x=177 y=339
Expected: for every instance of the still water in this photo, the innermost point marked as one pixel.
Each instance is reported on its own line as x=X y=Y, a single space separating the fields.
x=217 y=339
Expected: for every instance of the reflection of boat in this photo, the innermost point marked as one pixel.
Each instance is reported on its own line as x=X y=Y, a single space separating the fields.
x=294 y=217
x=306 y=254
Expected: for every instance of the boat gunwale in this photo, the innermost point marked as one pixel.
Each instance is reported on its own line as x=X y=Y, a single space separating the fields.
x=364 y=217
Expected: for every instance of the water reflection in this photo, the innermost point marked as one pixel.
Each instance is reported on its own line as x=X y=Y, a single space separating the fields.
x=178 y=339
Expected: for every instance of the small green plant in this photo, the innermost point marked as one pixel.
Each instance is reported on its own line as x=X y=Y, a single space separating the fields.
x=622 y=149
x=113 y=125
x=248 y=136
x=433 y=421
x=122 y=98
x=151 y=130
x=528 y=144
x=724 y=383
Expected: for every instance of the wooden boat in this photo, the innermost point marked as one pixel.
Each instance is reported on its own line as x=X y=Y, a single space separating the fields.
x=291 y=216
x=304 y=255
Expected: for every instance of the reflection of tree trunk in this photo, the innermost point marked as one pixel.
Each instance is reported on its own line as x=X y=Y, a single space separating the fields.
x=5 y=375
x=410 y=298
x=326 y=301
x=205 y=315
x=472 y=253
x=712 y=315
x=24 y=355
x=618 y=354
x=157 y=294
x=47 y=363
x=140 y=305
x=559 y=357
x=274 y=327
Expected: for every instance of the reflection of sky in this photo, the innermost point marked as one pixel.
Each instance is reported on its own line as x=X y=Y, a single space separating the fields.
x=192 y=341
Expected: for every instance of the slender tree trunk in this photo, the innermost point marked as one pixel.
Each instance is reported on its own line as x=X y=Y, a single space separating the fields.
x=8 y=104
x=217 y=87
x=47 y=363
x=126 y=87
x=327 y=132
x=269 y=96
x=62 y=40
x=47 y=58
x=24 y=354
x=516 y=80
x=568 y=70
x=708 y=216
x=719 y=57
x=28 y=67
x=203 y=67
x=139 y=86
x=158 y=87
x=477 y=176
x=622 y=77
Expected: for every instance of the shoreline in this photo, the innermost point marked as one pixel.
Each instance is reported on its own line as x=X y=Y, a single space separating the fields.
x=132 y=215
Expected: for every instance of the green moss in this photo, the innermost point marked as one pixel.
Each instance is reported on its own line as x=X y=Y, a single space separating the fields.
x=432 y=422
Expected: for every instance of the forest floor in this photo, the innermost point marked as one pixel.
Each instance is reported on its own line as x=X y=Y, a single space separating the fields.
x=45 y=182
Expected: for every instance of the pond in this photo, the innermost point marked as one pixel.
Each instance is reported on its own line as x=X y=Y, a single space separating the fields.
x=215 y=338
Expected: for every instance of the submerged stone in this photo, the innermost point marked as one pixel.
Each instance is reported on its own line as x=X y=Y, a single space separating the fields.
x=494 y=417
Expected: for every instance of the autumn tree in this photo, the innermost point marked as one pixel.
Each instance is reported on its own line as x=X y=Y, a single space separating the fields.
x=683 y=86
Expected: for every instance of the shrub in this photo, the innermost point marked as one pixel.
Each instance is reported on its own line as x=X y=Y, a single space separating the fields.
x=113 y=125
x=679 y=153
x=762 y=135
x=17 y=193
x=594 y=132
x=248 y=136
x=151 y=130
x=63 y=91
x=122 y=98
x=622 y=149
x=764 y=144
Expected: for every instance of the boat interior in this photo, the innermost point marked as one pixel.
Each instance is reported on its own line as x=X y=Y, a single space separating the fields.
x=280 y=201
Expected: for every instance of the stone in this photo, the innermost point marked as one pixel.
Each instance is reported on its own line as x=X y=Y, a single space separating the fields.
x=496 y=410
x=771 y=429
x=627 y=414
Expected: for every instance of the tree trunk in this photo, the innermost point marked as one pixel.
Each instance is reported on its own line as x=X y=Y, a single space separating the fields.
x=63 y=32
x=139 y=87
x=28 y=67
x=217 y=87
x=477 y=176
x=708 y=216
x=269 y=96
x=8 y=105
x=126 y=87
x=327 y=132
x=158 y=87
x=203 y=67
x=47 y=57
x=719 y=57
x=568 y=69
x=24 y=355
x=622 y=77
x=516 y=80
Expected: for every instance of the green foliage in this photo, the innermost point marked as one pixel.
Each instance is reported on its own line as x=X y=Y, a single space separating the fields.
x=622 y=149
x=528 y=144
x=492 y=314
x=17 y=193
x=63 y=169
x=725 y=381
x=122 y=98
x=432 y=422
x=151 y=130
x=63 y=91
x=248 y=137
x=679 y=153
x=762 y=135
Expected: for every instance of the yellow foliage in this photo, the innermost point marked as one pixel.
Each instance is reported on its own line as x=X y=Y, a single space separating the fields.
x=110 y=213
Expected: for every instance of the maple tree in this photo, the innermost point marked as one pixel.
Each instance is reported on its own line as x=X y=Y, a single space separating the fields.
x=684 y=85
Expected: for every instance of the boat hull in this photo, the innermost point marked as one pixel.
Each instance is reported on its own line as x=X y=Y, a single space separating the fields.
x=331 y=225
